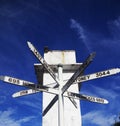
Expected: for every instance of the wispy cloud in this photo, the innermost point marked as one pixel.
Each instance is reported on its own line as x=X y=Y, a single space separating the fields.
x=91 y=39
x=101 y=92
x=105 y=93
x=115 y=28
x=110 y=94
x=34 y=105
x=113 y=41
x=7 y=118
x=81 y=32
x=99 y=118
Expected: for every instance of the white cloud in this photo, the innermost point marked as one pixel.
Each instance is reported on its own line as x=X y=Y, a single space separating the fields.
x=113 y=41
x=99 y=118
x=117 y=22
x=7 y=119
x=109 y=94
x=105 y=93
x=82 y=34
x=35 y=103
x=115 y=28
x=95 y=40
x=79 y=29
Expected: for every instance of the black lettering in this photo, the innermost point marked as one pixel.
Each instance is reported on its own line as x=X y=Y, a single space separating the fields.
x=23 y=92
x=13 y=80
x=81 y=78
x=100 y=74
x=103 y=73
x=10 y=79
x=37 y=54
x=108 y=72
x=88 y=77
x=91 y=99
x=100 y=100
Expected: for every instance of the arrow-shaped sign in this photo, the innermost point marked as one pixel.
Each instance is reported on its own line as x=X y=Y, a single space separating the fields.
x=28 y=84
x=66 y=94
x=88 y=98
x=97 y=75
x=78 y=72
x=80 y=79
x=34 y=88
x=43 y=62
x=16 y=81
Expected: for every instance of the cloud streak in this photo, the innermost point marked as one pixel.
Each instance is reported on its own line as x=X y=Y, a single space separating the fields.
x=105 y=93
x=92 y=39
x=112 y=96
x=114 y=27
x=81 y=32
x=99 y=91
x=7 y=118
x=99 y=118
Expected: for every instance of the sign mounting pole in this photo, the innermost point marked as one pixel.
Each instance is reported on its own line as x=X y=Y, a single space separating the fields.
x=60 y=97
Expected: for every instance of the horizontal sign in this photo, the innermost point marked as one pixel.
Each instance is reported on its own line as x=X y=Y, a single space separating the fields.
x=15 y=81
x=98 y=75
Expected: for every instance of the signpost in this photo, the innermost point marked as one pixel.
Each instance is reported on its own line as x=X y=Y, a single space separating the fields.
x=61 y=88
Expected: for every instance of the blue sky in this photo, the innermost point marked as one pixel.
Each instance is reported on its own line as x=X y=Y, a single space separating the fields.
x=81 y=25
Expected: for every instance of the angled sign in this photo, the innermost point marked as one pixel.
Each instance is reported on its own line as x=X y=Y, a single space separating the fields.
x=43 y=62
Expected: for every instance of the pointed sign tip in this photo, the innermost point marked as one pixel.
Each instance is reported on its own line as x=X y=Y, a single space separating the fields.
x=29 y=43
x=118 y=70
x=13 y=96
x=106 y=101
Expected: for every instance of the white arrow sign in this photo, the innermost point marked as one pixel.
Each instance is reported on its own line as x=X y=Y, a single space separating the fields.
x=80 y=79
x=78 y=72
x=97 y=75
x=43 y=62
x=88 y=98
x=66 y=94
x=16 y=81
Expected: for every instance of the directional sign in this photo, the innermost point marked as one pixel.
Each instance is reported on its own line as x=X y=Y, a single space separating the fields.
x=28 y=84
x=43 y=62
x=70 y=95
x=16 y=81
x=88 y=77
x=88 y=98
x=97 y=75
x=35 y=90
x=71 y=80
x=84 y=78
x=78 y=72
x=24 y=92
